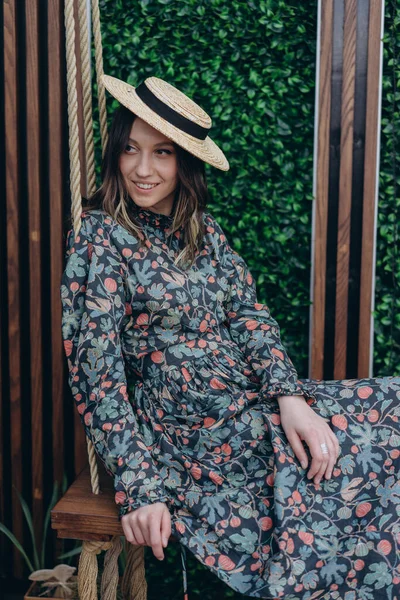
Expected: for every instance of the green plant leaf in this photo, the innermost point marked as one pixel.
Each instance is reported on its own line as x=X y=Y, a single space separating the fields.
x=17 y=544
x=29 y=520
x=72 y=552
x=53 y=500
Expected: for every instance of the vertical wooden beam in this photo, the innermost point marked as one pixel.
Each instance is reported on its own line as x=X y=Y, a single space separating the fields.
x=345 y=187
x=371 y=170
x=320 y=213
x=13 y=264
x=56 y=167
x=32 y=143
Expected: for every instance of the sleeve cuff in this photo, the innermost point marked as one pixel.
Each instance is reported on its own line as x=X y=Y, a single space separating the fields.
x=269 y=395
x=133 y=498
x=132 y=504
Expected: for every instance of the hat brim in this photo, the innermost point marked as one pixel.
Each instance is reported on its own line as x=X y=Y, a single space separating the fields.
x=207 y=150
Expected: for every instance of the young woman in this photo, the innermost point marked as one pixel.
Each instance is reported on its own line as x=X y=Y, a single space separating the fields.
x=284 y=488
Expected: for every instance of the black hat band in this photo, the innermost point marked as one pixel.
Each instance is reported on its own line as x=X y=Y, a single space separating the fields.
x=169 y=114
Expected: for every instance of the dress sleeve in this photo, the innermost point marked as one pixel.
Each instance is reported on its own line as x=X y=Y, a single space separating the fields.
x=93 y=300
x=252 y=327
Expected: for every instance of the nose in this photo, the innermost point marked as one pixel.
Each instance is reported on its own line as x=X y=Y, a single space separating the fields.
x=144 y=165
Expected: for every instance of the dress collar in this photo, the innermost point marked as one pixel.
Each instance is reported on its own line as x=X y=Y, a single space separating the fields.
x=151 y=218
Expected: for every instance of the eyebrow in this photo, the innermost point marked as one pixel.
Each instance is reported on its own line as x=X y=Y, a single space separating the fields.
x=166 y=143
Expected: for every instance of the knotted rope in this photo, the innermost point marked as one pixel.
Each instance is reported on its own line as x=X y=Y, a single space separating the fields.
x=134 y=584
x=88 y=569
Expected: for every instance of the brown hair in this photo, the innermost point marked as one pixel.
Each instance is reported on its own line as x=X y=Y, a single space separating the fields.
x=190 y=200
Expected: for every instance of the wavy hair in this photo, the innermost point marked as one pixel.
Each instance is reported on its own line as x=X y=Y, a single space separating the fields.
x=191 y=194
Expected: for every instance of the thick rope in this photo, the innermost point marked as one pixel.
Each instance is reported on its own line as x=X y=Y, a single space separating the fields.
x=99 y=72
x=134 y=584
x=94 y=473
x=110 y=577
x=88 y=569
x=75 y=166
x=85 y=48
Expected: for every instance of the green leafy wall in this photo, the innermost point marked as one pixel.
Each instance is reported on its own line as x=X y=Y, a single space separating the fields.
x=387 y=296
x=251 y=66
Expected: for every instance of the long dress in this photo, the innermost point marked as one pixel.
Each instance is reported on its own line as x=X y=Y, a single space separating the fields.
x=176 y=375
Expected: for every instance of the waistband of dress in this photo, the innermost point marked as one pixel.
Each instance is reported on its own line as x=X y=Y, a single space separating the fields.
x=156 y=364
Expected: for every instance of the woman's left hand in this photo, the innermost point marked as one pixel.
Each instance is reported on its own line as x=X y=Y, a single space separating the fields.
x=300 y=422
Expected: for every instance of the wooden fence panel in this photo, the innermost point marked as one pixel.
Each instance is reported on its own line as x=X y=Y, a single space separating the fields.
x=36 y=408
x=32 y=209
x=345 y=188
x=11 y=305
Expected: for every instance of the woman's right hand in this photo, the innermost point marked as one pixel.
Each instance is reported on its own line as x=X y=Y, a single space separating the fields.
x=148 y=526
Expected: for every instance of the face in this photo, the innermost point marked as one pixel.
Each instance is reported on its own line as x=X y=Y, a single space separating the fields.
x=150 y=158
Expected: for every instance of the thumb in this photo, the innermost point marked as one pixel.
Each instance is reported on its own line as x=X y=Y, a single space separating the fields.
x=165 y=527
x=298 y=448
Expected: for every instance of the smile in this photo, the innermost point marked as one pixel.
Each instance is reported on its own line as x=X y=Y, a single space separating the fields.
x=145 y=187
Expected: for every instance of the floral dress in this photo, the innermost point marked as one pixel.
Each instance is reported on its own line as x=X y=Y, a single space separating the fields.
x=176 y=375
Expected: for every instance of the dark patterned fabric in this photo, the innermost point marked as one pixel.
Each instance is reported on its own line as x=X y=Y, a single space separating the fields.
x=176 y=376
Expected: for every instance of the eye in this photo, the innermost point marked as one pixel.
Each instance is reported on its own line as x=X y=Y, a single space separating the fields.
x=128 y=146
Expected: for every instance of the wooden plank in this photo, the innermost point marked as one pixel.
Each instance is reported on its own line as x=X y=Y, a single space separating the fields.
x=81 y=515
x=81 y=510
x=345 y=188
x=13 y=265
x=360 y=93
x=32 y=143
x=56 y=162
x=321 y=199
x=371 y=167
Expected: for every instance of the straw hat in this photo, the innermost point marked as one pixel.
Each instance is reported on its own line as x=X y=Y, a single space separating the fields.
x=170 y=111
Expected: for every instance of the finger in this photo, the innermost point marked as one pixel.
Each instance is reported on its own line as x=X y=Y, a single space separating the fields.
x=325 y=461
x=318 y=476
x=128 y=532
x=134 y=540
x=155 y=538
x=165 y=527
x=332 y=458
x=336 y=444
x=318 y=459
x=298 y=448
x=141 y=530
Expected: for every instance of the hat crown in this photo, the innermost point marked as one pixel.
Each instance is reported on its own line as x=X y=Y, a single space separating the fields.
x=178 y=101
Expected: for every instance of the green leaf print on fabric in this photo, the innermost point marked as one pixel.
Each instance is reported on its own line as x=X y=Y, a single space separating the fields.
x=94 y=298
x=176 y=383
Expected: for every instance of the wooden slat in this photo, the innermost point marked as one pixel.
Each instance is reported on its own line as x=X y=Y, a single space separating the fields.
x=35 y=260
x=57 y=169
x=345 y=187
x=13 y=264
x=370 y=188
x=321 y=201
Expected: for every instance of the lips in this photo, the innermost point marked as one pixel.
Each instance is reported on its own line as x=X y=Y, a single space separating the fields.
x=143 y=190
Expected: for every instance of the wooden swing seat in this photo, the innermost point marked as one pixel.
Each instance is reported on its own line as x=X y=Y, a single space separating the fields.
x=93 y=518
x=82 y=515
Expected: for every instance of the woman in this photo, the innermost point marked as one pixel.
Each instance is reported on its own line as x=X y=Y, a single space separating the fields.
x=187 y=392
